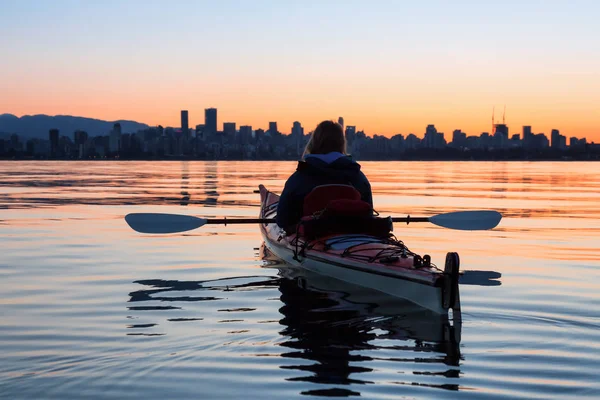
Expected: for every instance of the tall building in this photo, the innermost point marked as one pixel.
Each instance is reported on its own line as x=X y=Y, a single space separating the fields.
x=298 y=136
x=558 y=141
x=210 y=121
x=81 y=138
x=527 y=136
x=412 y=141
x=259 y=134
x=273 y=128
x=433 y=139
x=185 y=126
x=501 y=135
x=459 y=138
x=350 y=133
x=114 y=140
x=53 y=137
x=245 y=134
x=541 y=141
x=229 y=130
x=297 y=130
x=341 y=122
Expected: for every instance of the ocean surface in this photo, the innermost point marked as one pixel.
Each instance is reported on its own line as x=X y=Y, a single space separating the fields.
x=91 y=309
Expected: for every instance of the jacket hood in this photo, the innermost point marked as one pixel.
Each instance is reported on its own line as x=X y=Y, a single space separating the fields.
x=342 y=167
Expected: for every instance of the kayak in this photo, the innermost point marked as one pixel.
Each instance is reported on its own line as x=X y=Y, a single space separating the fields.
x=384 y=264
x=360 y=307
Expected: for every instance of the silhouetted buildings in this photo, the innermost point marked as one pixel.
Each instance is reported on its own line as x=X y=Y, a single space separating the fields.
x=249 y=143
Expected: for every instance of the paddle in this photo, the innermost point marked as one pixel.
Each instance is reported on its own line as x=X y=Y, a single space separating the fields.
x=174 y=223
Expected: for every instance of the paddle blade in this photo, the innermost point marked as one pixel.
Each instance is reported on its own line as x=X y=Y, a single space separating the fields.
x=468 y=220
x=163 y=223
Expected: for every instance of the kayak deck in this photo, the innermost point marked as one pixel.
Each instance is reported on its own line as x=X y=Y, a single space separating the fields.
x=383 y=264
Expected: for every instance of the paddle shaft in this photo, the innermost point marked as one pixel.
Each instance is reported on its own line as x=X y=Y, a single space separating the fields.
x=226 y=221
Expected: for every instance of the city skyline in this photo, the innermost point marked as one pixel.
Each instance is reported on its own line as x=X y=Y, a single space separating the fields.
x=206 y=141
x=185 y=118
x=393 y=66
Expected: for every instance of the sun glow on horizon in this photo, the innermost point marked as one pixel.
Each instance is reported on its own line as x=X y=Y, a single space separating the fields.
x=396 y=69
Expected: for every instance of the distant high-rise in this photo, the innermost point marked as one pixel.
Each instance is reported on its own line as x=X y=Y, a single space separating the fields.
x=341 y=122
x=210 y=121
x=185 y=126
x=81 y=138
x=273 y=128
x=527 y=136
x=53 y=136
x=350 y=133
x=114 y=139
x=229 y=129
x=298 y=136
x=501 y=135
x=259 y=134
x=245 y=134
x=501 y=129
x=433 y=139
x=297 y=130
x=459 y=138
x=557 y=141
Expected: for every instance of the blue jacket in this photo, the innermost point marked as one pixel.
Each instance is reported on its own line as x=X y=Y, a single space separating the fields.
x=316 y=170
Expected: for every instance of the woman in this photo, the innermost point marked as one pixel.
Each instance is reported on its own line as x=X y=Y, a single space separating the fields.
x=325 y=162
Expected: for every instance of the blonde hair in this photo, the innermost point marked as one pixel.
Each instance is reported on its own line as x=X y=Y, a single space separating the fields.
x=327 y=137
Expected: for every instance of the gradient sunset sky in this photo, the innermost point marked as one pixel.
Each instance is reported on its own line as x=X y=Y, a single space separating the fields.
x=385 y=66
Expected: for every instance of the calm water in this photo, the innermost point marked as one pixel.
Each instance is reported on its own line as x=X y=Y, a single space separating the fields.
x=92 y=309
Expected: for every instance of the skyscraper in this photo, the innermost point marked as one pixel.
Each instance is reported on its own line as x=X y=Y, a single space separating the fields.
x=297 y=130
x=53 y=136
x=558 y=141
x=298 y=136
x=114 y=139
x=273 y=128
x=229 y=129
x=185 y=127
x=501 y=136
x=527 y=136
x=341 y=122
x=210 y=121
x=433 y=139
x=245 y=134
x=81 y=138
x=459 y=138
x=350 y=133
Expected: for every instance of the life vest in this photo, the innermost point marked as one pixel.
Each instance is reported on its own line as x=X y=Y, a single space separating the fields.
x=338 y=209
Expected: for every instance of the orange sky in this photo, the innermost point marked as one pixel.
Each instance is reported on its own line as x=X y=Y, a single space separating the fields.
x=385 y=104
x=401 y=66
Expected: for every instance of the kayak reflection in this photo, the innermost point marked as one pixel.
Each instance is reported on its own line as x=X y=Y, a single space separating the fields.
x=334 y=337
x=344 y=330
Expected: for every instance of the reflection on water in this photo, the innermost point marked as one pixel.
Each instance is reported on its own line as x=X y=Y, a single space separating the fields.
x=91 y=309
x=332 y=330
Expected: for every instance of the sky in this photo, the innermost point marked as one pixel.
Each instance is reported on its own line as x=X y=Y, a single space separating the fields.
x=387 y=67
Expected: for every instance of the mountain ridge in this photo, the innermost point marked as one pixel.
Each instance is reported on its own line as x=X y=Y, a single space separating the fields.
x=38 y=125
